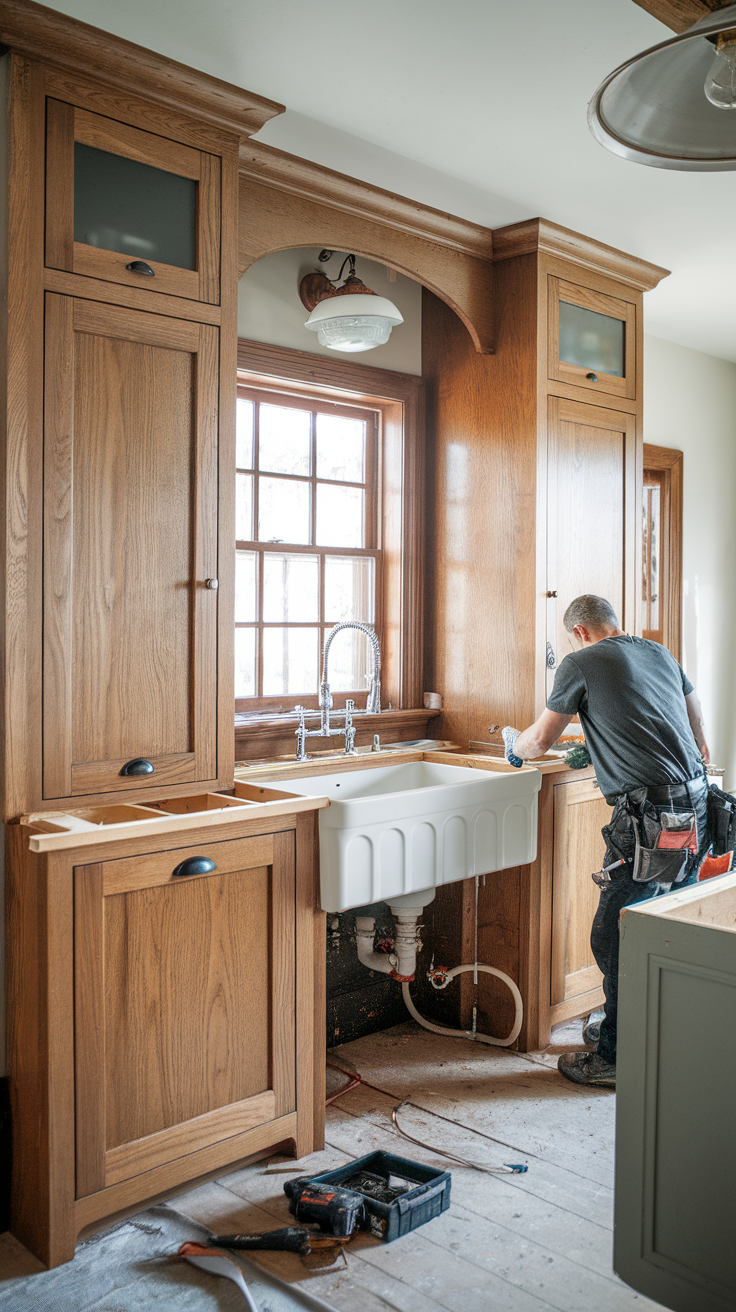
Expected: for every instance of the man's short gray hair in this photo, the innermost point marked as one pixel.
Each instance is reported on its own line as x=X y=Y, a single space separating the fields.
x=592 y=612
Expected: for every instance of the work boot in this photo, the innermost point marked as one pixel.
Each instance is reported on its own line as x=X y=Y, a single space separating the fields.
x=592 y=1028
x=587 y=1068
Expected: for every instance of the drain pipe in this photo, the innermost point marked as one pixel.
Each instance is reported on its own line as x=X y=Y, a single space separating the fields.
x=400 y=965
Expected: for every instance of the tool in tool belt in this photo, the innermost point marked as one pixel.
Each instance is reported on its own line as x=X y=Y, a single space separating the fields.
x=603 y=877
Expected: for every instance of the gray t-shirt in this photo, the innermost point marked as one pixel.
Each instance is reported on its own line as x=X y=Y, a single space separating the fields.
x=630 y=696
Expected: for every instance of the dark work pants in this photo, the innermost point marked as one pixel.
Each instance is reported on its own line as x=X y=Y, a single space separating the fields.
x=623 y=891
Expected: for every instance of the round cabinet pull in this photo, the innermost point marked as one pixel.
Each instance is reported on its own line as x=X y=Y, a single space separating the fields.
x=213 y=584
x=551 y=594
x=138 y=766
x=593 y=378
x=194 y=865
x=140 y=266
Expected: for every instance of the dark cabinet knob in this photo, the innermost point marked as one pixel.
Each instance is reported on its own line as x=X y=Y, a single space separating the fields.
x=140 y=266
x=593 y=378
x=194 y=865
x=138 y=766
x=551 y=594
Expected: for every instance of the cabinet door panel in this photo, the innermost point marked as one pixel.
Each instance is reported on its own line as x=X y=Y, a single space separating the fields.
x=185 y=995
x=592 y=528
x=130 y=491
x=598 y=350
x=579 y=815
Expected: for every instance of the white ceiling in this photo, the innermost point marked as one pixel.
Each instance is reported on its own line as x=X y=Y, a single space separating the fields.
x=476 y=107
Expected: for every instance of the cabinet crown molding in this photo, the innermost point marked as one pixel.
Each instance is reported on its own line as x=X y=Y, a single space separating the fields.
x=680 y=14
x=301 y=177
x=534 y=236
x=34 y=30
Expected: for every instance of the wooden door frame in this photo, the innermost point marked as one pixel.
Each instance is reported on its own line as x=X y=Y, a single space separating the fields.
x=669 y=462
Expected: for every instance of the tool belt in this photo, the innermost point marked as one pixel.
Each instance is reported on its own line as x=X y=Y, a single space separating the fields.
x=721 y=820
x=656 y=831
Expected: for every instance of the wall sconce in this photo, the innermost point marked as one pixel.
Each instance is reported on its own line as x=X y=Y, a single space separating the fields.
x=665 y=106
x=350 y=323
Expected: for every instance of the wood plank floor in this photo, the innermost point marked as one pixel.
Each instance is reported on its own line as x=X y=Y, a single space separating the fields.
x=509 y=1243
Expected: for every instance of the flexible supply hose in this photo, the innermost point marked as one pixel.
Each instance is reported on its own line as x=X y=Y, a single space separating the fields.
x=470 y=1034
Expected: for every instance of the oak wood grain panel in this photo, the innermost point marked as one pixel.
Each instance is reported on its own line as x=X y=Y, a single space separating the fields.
x=125 y=325
x=59 y=184
x=126 y=875
x=679 y=14
x=206 y=601
x=135 y=297
x=22 y=434
x=187 y=1017
x=40 y=937
x=667 y=464
x=582 y=1005
x=223 y=720
x=95 y=776
x=183 y=1170
x=132 y=1159
x=310 y=1028
x=145 y=147
x=578 y=850
x=135 y=837
x=208 y=228
x=542 y=237
x=577 y=375
x=589 y=451
x=93 y=262
x=58 y=500
x=89 y=1037
x=283 y=948
x=582 y=981
x=77 y=47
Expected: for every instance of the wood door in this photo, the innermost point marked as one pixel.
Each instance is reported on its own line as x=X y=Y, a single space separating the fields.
x=134 y=214
x=130 y=538
x=184 y=1003
x=580 y=812
x=609 y=312
x=593 y=516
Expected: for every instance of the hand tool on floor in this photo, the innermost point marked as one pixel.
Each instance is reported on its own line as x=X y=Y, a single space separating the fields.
x=290 y=1239
x=218 y=1264
x=335 y=1210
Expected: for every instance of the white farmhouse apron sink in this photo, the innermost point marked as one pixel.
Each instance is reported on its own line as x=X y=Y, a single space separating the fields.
x=403 y=828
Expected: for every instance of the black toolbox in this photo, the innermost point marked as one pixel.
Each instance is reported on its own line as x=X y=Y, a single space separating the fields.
x=390 y=1220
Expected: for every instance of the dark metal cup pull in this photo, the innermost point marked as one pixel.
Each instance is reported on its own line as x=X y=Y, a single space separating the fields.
x=138 y=766
x=194 y=865
x=593 y=378
x=140 y=266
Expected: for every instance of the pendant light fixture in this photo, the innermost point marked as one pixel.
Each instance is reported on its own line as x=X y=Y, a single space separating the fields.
x=669 y=106
x=344 y=318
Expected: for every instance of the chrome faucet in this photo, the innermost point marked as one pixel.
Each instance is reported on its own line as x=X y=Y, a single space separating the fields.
x=373 y=704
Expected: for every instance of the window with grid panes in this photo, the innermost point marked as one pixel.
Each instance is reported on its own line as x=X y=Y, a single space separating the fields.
x=307 y=549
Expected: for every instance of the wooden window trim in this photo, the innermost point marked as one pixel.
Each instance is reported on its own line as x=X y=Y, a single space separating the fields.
x=668 y=464
x=399 y=399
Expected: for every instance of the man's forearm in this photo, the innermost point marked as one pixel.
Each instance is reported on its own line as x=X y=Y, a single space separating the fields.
x=540 y=736
x=697 y=723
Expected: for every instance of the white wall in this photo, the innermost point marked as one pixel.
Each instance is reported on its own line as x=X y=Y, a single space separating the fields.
x=690 y=404
x=269 y=309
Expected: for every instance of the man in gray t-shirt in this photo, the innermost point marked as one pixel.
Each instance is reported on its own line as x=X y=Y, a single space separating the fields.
x=644 y=732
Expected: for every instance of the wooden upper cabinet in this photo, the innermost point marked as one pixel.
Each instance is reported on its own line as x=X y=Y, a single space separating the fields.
x=128 y=206
x=591 y=339
x=184 y=994
x=130 y=549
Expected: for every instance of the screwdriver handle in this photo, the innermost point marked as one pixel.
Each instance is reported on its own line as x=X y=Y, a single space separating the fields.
x=292 y=1239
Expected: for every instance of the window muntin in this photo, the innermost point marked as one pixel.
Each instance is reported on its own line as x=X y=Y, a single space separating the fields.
x=307 y=549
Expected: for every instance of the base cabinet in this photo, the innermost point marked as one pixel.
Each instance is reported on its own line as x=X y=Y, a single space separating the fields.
x=579 y=812
x=157 y=988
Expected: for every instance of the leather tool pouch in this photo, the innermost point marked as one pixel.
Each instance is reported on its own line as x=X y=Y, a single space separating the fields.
x=665 y=841
x=721 y=820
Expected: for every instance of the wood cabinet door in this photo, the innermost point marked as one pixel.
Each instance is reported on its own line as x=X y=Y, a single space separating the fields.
x=130 y=540
x=591 y=339
x=580 y=812
x=184 y=1003
x=593 y=516
x=131 y=207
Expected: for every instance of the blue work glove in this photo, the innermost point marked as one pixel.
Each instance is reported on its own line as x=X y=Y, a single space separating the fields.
x=509 y=736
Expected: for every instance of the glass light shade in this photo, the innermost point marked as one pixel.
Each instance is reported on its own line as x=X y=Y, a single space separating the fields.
x=353 y=323
x=654 y=109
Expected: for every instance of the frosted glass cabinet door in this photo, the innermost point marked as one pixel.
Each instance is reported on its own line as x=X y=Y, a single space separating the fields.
x=591 y=339
x=131 y=207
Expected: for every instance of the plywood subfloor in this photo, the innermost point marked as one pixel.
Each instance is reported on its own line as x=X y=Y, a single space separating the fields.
x=509 y=1243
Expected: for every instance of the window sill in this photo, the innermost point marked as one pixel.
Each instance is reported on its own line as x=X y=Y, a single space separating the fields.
x=259 y=736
